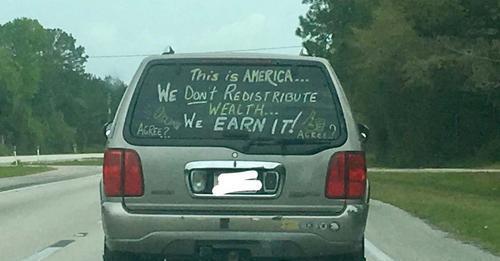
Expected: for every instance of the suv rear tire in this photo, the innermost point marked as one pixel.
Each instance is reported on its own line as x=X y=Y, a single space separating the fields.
x=127 y=256
x=353 y=257
x=115 y=255
x=357 y=256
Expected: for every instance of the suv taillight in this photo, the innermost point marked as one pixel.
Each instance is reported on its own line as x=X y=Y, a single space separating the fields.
x=346 y=177
x=122 y=173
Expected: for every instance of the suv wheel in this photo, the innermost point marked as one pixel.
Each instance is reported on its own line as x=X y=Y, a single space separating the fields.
x=115 y=255
x=353 y=257
x=357 y=256
x=126 y=256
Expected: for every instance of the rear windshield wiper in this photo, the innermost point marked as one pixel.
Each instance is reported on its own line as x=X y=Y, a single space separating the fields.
x=236 y=134
x=282 y=142
x=299 y=141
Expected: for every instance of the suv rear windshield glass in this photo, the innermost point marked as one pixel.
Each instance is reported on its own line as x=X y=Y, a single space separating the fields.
x=277 y=104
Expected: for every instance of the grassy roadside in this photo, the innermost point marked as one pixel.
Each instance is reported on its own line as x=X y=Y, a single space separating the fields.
x=82 y=162
x=464 y=204
x=13 y=171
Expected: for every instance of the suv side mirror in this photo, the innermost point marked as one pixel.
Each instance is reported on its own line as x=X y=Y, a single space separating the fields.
x=106 y=129
x=364 y=132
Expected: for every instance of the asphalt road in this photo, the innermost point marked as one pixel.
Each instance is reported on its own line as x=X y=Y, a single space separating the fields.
x=60 y=220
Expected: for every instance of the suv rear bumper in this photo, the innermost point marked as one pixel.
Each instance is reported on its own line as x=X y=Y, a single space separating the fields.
x=263 y=236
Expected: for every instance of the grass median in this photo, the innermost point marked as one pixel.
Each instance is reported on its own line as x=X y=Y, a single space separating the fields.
x=464 y=204
x=76 y=162
x=82 y=162
x=14 y=171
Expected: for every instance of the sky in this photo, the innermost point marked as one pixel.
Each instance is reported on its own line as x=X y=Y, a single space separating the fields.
x=128 y=27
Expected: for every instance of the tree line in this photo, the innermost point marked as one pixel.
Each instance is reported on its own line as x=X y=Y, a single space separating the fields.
x=47 y=100
x=423 y=75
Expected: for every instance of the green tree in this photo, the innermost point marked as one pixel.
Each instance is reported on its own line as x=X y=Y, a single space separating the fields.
x=423 y=75
x=46 y=98
x=21 y=42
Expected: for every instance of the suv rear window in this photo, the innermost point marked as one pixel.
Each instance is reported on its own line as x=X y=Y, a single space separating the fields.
x=273 y=104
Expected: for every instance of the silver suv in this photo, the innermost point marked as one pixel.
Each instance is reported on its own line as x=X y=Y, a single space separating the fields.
x=234 y=156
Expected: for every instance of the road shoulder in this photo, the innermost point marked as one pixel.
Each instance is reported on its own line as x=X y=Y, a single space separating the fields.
x=405 y=237
x=60 y=173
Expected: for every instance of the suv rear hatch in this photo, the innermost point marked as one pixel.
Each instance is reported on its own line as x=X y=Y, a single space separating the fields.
x=193 y=122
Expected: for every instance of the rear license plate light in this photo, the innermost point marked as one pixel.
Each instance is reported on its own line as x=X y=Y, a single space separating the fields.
x=270 y=181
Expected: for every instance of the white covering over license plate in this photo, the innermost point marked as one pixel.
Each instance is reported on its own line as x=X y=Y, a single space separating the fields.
x=243 y=181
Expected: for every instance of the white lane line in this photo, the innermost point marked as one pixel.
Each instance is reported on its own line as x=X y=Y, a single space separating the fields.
x=47 y=184
x=43 y=254
x=49 y=250
x=375 y=252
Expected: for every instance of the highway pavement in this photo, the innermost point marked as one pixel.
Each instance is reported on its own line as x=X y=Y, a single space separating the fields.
x=60 y=220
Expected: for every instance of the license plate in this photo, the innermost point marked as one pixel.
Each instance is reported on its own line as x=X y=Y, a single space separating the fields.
x=236 y=182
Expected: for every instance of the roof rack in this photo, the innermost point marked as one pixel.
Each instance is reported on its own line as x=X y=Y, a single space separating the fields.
x=304 y=52
x=168 y=50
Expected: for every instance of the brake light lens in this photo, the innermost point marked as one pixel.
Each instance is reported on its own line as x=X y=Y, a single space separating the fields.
x=112 y=173
x=122 y=173
x=133 y=184
x=335 y=180
x=346 y=177
x=357 y=175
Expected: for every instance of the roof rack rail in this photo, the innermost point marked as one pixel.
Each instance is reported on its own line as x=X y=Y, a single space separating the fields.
x=168 y=50
x=304 y=52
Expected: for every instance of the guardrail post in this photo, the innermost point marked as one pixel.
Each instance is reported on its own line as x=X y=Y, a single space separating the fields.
x=15 y=155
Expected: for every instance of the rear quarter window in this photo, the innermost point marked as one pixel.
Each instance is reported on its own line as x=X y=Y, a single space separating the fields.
x=230 y=103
